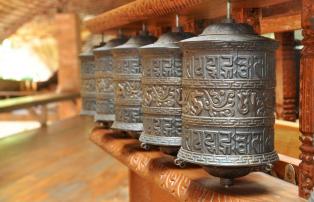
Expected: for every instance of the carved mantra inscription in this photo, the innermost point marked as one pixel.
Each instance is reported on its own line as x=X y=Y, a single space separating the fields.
x=239 y=65
x=87 y=67
x=88 y=84
x=127 y=65
x=162 y=126
x=161 y=96
x=105 y=106
x=128 y=114
x=161 y=85
x=127 y=90
x=228 y=106
x=103 y=62
x=162 y=67
x=128 y=93
x=228 y=103
x=229 y=141
x=88 y=104
x=104 y=84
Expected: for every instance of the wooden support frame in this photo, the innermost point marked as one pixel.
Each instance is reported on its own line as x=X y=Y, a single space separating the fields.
x=37 y=104
x=163 y=181
x=131 y=15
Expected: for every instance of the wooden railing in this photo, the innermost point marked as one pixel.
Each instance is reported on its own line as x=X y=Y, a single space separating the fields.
x=30 y=102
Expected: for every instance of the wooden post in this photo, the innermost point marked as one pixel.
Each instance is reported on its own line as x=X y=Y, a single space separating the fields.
x=286 y=92
x=306 y=168
x=68 y=37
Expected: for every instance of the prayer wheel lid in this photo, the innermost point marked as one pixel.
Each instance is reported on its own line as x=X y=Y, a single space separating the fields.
x=169 y=40
x=112 y=43
x=228 y=31
x=137 y=41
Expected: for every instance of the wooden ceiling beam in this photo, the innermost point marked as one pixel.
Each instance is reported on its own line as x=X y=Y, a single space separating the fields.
x=158 y=10
x=281 y=23
x=137 y=11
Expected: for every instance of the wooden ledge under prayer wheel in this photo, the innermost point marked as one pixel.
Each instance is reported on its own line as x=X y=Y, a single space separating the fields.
x=154 y=177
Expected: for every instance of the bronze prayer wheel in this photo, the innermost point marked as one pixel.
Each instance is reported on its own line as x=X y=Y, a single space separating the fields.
x=127 y=79
x=161 y=87
x=104 y=83
x=228 y=101
x=88 y=85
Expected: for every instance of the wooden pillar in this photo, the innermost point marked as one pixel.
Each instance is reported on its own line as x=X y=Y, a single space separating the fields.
x=286 y=86
x=306 y=168
x=68 y=38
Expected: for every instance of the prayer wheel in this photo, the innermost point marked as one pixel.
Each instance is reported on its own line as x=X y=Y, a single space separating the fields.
x=161 y=87
x=88 y=85
x=228 y=93
x=104 y=83
x=127 y=79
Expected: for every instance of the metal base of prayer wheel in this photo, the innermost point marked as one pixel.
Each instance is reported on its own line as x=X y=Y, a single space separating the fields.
x=160 y=140
x=87 y=113
x=104 y=118
x=232 y=166
x=132 y=127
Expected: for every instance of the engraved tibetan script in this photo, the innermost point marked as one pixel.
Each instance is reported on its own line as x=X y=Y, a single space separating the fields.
x=226 y=66
x=229 y=141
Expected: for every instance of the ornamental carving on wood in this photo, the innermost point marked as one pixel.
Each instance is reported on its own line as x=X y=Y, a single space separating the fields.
x=306 y=168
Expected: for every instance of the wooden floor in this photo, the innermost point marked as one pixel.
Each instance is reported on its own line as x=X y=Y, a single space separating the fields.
x=59 y=164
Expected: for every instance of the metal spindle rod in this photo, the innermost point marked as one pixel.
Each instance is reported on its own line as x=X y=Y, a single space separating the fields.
x=102 y=38
x=228 y=9
x=177 y=21
x=120 y=32
x=144 y=27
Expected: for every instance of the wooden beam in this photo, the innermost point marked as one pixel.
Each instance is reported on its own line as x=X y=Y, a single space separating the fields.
x=281 y=23
x=139 y=11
